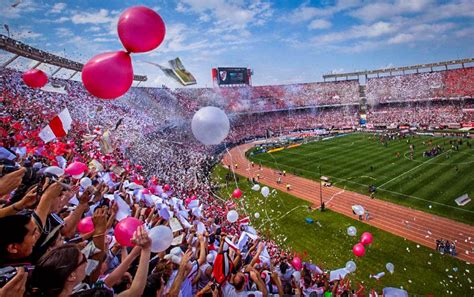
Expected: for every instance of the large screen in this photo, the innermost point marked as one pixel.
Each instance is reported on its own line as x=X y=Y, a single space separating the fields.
x=232 y=76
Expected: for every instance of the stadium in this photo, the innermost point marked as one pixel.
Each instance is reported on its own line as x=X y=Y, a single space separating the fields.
x=357 y=183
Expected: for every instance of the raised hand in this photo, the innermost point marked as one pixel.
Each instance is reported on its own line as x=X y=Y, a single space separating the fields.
x=11 y=181
x=16 y=286
x=99 y=218
x=141 y=239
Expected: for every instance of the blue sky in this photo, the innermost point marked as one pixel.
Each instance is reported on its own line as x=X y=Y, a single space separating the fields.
x=282 y=41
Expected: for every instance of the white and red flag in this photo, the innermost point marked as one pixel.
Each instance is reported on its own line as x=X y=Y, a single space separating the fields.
x=59 y=126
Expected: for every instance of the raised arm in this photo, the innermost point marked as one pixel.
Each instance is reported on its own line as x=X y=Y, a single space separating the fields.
x=138 y=285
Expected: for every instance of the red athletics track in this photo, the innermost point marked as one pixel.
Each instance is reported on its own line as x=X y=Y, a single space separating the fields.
x=415 y=225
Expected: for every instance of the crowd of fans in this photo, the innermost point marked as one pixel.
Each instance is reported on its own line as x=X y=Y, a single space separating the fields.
x=281 y=123
x=453 y=83
x=150 y=169
x=144 y=162
x=422 y=114
x=271 y=98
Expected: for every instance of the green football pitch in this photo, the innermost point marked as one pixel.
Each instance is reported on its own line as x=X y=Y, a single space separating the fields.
x=357 y=161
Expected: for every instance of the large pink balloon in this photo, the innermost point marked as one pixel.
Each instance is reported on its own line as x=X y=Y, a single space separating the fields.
x=35 y=78
x=85 y=225
x=366 y=238
x=108 y=75
x=237 y=193
x=359 y=249
x=296 y=262
x=140 y=29
x=124 y=230
x=75 y=168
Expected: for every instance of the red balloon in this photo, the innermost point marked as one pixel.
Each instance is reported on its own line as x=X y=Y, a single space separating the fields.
x=166 y=188
x=366 y=238
x=108 y=75
x=296 y=262
x=124 y=230
x=237 y=193
x=35 y=78
x=358 y=250
x=141 y=29
x=76 y=168
x=85 y=225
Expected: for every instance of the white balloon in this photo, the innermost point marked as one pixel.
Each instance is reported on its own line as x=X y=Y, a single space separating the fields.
x=257 y=215
x=210 y=125
x=256 y=187
x=232 y=216
x=351 y=266
x=358 y=209
x=265 y=192
x=390 y=267
x=54 y=170
x=351 y=231
x=161 y=238
x=85 y=182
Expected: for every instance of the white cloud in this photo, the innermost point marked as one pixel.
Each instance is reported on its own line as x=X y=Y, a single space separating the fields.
x=228 y=16
x=401 y=38
x=101 y=17
x=58 y=7
x=356 y=32
x=305 y=13
x=101 y=39
x=382 y=10
x=25 y=7
x=319 y=24
x=64 y=32
x=465 y=32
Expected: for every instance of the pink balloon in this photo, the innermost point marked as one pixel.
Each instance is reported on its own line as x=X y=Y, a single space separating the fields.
x=75 y=168
x=124 y=230
x=237 y=193
x=194 y=197
x=358 y=250
x=366 y=238
x=187 y=201
x=35 y=78
x=140 y=29
x=108 y=75
x=296 y=262
x=85 y=225
x=166 y=188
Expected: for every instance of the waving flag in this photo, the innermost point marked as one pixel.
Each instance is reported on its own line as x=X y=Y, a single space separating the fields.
x=58 y=127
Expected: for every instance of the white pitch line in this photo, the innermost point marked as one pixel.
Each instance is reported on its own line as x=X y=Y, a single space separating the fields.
x=416 y=167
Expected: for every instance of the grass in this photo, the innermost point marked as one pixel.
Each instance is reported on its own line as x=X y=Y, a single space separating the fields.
x=418 y=269
x=428 y=184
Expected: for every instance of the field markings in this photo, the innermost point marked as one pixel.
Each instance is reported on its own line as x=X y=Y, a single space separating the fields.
x=416 y=167
x=393 y=192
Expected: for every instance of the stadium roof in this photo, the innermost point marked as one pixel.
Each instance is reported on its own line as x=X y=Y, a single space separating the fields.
x=417 y=67
x=23 y=50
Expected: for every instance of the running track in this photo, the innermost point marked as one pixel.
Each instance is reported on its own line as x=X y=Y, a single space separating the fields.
x=415 y=225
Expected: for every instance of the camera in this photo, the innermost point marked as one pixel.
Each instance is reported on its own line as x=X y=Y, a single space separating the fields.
x=9 y=272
